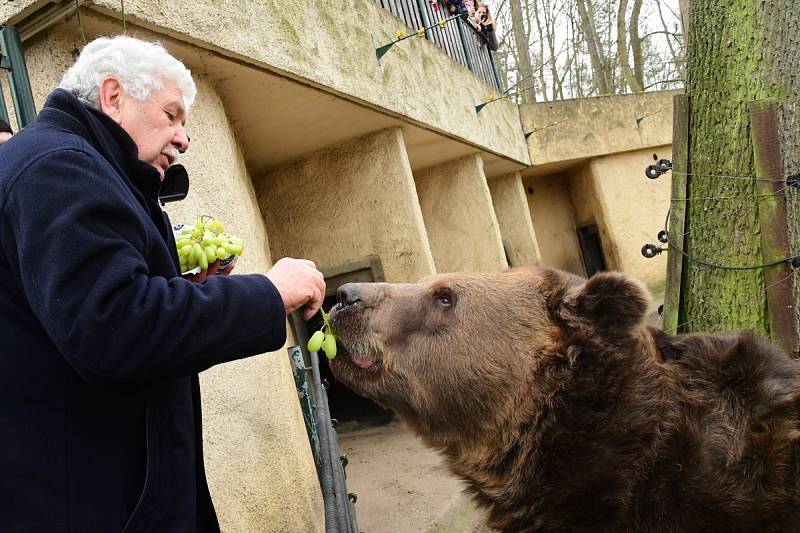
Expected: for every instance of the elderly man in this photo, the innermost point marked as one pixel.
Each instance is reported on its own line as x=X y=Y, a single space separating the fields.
x=102 y=339
x=5 y=131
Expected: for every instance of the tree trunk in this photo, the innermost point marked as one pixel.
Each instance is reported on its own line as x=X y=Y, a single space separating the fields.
x=589 y=31
x=636 y=45
x=523 y=54
x=738 y=51
x=622 y=49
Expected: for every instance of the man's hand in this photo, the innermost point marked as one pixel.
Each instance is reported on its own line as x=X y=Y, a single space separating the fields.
x=300 y=284
x=212 y=270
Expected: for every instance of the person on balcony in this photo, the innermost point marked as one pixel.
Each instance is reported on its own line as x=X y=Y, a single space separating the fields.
x=486 y=26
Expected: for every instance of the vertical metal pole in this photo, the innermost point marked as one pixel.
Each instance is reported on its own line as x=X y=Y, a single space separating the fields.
x=463 y=36
x=3 y=109
x=423 y=16
x=497 y=79
x=21 y=94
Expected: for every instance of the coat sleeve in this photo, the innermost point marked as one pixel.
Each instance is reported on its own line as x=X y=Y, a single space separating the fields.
x=80 y=244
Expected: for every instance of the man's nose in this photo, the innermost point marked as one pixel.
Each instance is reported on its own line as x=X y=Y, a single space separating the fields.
x=181 y=139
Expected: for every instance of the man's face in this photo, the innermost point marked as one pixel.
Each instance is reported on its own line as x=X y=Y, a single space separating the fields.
x=4 y=136
x=156 y=125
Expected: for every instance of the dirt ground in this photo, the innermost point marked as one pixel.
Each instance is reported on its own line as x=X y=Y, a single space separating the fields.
x=402 y=486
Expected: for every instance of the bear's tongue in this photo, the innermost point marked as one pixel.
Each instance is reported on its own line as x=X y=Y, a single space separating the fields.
x=363 y=362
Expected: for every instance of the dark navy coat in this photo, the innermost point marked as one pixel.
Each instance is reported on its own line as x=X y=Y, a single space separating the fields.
x=101 y=340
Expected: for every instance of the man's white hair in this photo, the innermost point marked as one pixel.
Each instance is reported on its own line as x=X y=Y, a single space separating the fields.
x=141 y=67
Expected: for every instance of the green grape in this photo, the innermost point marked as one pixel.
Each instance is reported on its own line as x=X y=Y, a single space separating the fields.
x=221 y=253
x=329 y=345
x=202 y=262
x=211 y=253
x=315 y=342
x=182 y=242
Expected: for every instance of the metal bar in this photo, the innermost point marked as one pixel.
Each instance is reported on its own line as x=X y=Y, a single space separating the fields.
x=21 y=94
x=326 y=477
x=306 y=397
x=465 y=46
x=498 y=82
x=3 y=108
x=340 y=488
x=772 y=219
x=423 y=15
x=677 y=214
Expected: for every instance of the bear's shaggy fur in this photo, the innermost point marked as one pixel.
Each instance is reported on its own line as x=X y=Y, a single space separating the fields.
x=563 y=412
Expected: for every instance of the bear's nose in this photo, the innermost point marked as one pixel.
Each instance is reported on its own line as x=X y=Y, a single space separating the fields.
x=348 y=294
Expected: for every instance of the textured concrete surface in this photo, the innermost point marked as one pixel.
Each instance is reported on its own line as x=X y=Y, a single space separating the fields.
x=459 y=217
x=403 y=486
x=553 y=219
x=323 y=44
x=348 y=202
x=590 y=127
x=514 y=219
x=634 y=209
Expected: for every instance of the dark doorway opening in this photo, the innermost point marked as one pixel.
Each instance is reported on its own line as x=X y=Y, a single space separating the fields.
x=591 y=249
x=345 y=405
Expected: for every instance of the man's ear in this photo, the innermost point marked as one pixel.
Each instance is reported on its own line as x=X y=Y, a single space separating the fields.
x=111 y=98
x=611 y=302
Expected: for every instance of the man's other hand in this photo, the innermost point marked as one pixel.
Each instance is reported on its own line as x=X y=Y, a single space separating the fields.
x=300 y=284
x=212 y=270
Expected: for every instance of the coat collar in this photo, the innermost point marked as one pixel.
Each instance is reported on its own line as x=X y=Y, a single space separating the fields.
x=64 y=110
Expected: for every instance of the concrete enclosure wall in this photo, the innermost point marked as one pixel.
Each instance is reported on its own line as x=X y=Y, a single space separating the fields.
x=553 y=219
x=348 y=202
x=514 y=219
x=634 y=209
x=459 y=217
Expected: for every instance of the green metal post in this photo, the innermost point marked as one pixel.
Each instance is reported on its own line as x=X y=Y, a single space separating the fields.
x=3 y=108
x=306 y=400
x=423 y=15
x=463 y=36
x=497 y=79
x=21 y=94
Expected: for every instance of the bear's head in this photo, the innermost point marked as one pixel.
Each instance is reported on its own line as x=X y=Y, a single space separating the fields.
x=448 y=354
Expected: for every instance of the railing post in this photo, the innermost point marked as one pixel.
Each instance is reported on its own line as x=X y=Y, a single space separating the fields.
x=3 y=108
x=14 y=58
x=497 y=79
x=423 y=16
x=467 y=52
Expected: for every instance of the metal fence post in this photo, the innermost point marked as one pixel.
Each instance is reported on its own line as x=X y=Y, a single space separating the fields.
x=497 y=79
x=423 y=15
x=467 y=52
x=3 y=109
x=21 y=94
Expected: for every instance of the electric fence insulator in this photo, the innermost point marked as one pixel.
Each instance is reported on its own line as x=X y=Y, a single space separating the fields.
x=652 y=172
x=651 y=250
x=793 y=181
x=664 y=165
x=663 y=236
x=795 y=262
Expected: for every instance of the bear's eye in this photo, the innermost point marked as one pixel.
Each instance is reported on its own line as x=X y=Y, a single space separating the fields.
x=444 y=298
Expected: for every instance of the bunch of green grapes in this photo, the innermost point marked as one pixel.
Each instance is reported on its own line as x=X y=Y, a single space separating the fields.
x=324 y=338
x=205 y=243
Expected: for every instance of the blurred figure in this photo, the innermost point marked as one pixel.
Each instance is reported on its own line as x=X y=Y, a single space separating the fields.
x=486 y=26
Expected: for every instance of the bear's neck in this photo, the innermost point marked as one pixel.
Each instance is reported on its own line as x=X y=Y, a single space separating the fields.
x=578 y=437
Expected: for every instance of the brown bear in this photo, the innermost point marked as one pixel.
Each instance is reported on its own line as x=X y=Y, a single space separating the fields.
x=563 y=412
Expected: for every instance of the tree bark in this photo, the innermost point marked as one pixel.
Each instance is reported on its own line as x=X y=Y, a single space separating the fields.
x=636 y=45
x=738 y=51
x=524 y=69
x=599 y=72
x=622 y=48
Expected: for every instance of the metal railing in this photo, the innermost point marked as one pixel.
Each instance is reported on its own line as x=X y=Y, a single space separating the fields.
x=12 y=59
x=340 y=512
x=461 y=40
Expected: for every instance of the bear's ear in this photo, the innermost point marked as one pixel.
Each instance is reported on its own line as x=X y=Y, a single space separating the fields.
x=611 y=301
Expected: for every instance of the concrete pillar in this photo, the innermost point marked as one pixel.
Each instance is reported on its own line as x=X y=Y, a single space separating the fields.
x=347 y=202
x=459 y=216
x=258 y=460
x=514 y=219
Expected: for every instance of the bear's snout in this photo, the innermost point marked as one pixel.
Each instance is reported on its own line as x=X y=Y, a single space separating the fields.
x=349 y=294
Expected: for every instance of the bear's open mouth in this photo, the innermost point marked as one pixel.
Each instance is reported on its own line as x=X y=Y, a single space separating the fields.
x=361 y=362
